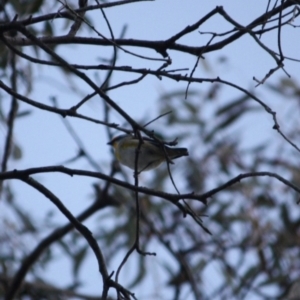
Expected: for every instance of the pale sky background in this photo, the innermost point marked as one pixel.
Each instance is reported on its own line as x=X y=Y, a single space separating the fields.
x=45 y=141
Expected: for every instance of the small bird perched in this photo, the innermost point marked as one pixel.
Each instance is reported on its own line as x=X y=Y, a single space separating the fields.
x=151 y=153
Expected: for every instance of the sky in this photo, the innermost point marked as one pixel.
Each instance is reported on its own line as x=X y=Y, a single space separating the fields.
x=44 y=138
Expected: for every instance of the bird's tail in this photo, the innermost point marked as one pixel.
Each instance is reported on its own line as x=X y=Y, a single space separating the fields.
x=176 y=152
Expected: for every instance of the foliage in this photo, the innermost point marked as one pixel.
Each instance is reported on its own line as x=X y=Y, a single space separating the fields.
x=222 y=223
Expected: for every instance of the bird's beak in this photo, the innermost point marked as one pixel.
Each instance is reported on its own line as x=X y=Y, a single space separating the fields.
x=112 y=142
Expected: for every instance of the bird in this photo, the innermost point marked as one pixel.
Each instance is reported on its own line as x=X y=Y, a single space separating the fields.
x=151 y=153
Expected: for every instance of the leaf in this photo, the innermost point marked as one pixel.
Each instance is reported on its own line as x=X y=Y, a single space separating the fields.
x=48 y=29
x=232 y=105
x=24 y=113
x=230 y=118
x=78 y=259
x=140 y=274
x=35 y=6
x=16 y=152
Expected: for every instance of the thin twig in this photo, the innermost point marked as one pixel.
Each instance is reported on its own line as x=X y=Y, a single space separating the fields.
x=155 y=119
